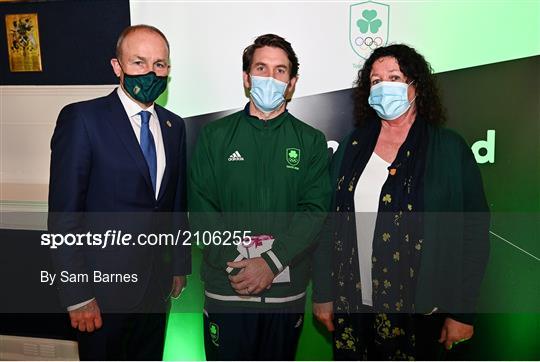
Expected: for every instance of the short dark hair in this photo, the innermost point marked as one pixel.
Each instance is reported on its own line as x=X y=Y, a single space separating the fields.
x=134 y=28
x=416 y=69
x=270 y=40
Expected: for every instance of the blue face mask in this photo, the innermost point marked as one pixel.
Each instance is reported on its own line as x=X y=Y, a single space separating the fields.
x=389 y=99
x=267 y=93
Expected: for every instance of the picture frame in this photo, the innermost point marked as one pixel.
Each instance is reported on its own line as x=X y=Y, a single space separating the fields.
x=24 y=52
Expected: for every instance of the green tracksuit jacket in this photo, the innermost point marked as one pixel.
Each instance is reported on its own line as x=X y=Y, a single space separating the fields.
x=269 y=178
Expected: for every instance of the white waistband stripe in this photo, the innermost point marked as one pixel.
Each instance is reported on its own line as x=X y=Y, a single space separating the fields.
x=232 y=298
x=285 y=299
x=247 y=298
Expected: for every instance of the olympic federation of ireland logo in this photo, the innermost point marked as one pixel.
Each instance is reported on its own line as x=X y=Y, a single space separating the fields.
x=292 y=155
x=368 y=27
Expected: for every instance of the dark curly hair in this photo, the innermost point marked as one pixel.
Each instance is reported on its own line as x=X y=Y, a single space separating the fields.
x=274 y=41
x=415 y=68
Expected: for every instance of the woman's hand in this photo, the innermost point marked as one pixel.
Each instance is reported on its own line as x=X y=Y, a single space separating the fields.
x=454 y=332
x=324 y=312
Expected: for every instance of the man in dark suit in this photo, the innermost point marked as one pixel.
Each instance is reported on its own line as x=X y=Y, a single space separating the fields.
x=118 y=163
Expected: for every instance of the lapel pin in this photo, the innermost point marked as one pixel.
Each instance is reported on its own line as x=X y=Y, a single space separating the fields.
x=169 y=124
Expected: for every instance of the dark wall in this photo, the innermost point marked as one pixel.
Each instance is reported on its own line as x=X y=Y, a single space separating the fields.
x=503 y=97
x=77 y=41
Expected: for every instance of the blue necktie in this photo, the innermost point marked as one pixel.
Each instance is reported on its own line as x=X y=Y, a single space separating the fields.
x=148 y=146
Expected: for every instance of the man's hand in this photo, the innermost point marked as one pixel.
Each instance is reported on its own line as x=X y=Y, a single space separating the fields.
x=86 y=318
x=179 y=282
x=454 y=332
x=324 y=312
x=254 y=277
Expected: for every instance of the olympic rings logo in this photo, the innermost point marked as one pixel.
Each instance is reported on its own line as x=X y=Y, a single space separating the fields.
x=369 y=42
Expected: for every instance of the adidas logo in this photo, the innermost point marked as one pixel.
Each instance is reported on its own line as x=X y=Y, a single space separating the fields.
x=236 y=156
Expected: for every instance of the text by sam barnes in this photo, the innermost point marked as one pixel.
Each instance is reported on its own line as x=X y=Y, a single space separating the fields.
x=96 y=277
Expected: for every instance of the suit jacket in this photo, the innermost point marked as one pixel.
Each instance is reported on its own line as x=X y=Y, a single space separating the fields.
x=99 y=180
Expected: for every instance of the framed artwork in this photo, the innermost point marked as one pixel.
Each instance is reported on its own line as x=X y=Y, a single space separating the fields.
x=24 y=51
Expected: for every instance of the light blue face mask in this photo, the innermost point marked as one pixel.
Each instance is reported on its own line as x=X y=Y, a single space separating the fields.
x=389 y=99
x=267 y=93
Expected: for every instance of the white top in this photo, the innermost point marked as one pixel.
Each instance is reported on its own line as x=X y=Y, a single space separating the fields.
x=133 y=110
x=366 y=204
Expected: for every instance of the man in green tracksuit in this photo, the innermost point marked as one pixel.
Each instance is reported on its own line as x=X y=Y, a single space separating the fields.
x=262 y=173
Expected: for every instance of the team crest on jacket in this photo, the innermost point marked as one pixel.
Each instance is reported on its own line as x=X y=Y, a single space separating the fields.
x=292 y=155
x=214 y=333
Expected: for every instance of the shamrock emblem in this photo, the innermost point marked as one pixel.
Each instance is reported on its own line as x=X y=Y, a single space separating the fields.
x=369 y=21
x=293 y=154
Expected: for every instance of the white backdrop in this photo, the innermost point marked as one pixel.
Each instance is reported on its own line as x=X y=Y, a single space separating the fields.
x=207 y=40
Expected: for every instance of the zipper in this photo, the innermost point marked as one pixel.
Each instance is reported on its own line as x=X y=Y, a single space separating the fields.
x=264 y=188
x=265 y=172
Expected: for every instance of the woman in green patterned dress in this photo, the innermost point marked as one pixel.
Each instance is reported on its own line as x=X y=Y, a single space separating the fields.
x=409 y=232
